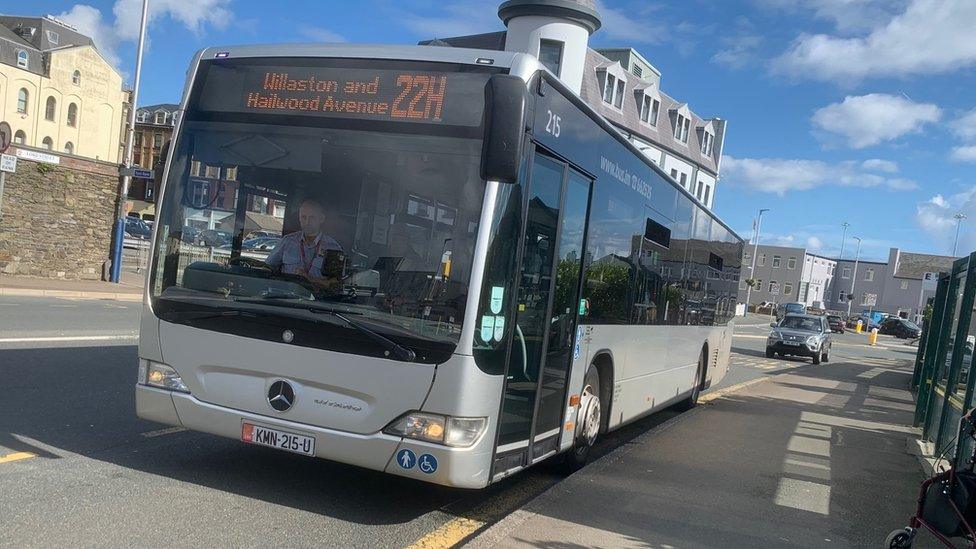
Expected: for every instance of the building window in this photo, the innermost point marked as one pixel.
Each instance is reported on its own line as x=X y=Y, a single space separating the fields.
x=20 y=137
x=69 y=147
x=76 y=78
x=674 y=174
x=53 y=37
x=788 y=288
x=707 y=142
x=773 y=286
x=650 y=108
x=846 y=273
x=758 y=285
x=904 y=284
x=869 y=275
x=136 y=158
x=47 y=143
x=157 y=140
x=22 y=97
x=212 y=172
x=137 y=139
x=762 y=260
x=701 y=188
x=50 y=108
x=551 y=55
x=73 y=115
x=681 y=128
x=705 y=200
x=230 y=173
x=160 y=118
x=22 y=58
x=195 y=167
x=613 y=91
x=842 y=296
x=683 y=179
x=791 y=263
x=141 y=116
x=776 y=261
x=746 y=256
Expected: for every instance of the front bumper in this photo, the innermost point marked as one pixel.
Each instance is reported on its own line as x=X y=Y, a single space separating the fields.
x=456 y=467
x=797 y=350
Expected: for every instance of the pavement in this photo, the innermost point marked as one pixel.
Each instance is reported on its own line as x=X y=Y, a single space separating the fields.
x=811 y=457
x=129 y=288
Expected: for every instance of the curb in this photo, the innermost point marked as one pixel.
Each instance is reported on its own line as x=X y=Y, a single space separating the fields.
x=29 y=292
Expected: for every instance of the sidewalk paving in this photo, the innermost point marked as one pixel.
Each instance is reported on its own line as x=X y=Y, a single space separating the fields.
x=812 y=458
x=129 y=289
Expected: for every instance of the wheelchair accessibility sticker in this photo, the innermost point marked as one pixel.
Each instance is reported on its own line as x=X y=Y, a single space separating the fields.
x=428 y=464
x=406 y=459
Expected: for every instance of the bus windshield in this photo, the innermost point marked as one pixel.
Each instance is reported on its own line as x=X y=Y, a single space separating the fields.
x=357 y=227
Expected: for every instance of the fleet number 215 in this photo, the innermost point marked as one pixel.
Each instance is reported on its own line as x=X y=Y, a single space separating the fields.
x=552 y=126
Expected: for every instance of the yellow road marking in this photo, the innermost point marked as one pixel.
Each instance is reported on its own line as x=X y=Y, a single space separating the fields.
x=16 y=456
x=708 y=397
x=450 y=534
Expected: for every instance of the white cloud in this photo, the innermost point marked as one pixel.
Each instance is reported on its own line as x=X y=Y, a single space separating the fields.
x=195 y=15
x=740 y=51
x=456 y=18
x=319 y=34
x=631 y=26
x=879 y=165
x=814 y=243
x=867 y=120
x=928 y=37
x=781 y=175
x=964 y=153
x=936 y=217
x=965 y=125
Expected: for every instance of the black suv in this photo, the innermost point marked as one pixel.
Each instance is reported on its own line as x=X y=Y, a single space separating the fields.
x=899 y=327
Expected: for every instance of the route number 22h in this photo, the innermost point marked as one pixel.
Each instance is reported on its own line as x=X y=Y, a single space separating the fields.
x=552 y=126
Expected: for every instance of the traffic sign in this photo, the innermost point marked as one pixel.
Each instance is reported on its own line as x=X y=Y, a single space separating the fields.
x=6 y=136
x=138 y=173
x=870 y=300
x=8 y=163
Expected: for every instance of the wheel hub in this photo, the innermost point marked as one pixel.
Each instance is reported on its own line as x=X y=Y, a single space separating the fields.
x=588 y=417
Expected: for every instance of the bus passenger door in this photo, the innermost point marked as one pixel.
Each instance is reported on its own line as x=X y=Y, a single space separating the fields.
x=547 y=297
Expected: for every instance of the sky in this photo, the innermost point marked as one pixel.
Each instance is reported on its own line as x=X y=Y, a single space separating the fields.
x=857 y=111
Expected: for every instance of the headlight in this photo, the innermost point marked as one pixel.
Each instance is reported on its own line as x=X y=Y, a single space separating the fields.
x=460 y=432
x=160 y=375
x=813 y=341
x=774 y=335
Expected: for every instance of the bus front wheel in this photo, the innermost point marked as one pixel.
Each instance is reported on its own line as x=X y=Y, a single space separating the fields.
x=588 y=421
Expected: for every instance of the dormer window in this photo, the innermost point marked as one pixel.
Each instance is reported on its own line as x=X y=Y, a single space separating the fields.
x=613 y=91
x=142 y=117
x=681 y=127
x=160 y=118
x=53 y=37
x=23 y=58
x=649 y=109
x=707 y=142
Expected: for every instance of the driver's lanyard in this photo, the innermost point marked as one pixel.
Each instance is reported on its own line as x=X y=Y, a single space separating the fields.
x=301 y=253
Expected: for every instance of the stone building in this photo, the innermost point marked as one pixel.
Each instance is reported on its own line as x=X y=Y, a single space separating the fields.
x=619 y=83
x=57 y=91
x=57 y=215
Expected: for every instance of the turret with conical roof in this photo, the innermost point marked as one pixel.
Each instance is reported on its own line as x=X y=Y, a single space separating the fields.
x=556 y=31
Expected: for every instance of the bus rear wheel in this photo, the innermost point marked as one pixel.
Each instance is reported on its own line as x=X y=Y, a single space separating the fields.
x=588 y=421
x=692 y=400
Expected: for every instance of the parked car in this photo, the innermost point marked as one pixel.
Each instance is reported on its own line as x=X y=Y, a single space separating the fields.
x=784 y=309
x=800 y=335
x=189 y=234
x=137 y=228
x=213 y=237
x=836 y=323
x=900 y=328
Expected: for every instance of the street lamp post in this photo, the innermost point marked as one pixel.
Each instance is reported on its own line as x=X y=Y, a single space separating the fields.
x=857 y=257
x=959 y=219
x=843 y=239
x=116 y=272
x=755 y=251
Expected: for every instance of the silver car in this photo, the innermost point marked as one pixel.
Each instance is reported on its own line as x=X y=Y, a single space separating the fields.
x=800 y=335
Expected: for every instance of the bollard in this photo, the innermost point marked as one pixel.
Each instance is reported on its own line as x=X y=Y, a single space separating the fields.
x=859 y=327
x=873 y=336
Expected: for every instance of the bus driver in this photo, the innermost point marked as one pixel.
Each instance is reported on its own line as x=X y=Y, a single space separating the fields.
x=303 y=252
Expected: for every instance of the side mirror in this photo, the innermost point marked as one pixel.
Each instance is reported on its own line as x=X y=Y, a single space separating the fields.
x=505 y=98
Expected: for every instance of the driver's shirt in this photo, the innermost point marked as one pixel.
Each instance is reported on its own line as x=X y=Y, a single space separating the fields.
x=295 y=256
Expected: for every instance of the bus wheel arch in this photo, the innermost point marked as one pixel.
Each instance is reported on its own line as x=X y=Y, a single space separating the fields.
x=704 y=366
x=603 y=362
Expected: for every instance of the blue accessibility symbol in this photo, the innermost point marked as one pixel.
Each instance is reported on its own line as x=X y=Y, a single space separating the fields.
x=407 y=459
x=428 y=464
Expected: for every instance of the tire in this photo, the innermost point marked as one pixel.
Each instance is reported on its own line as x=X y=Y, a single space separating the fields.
x=816 y=358
x=901 y=538
x=579 y=454
x=692 y=400
x=826 y=356
x=769 y=353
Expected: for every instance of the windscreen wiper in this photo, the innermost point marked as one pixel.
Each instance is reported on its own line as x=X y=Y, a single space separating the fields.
x=177 y=316
x=393 y=348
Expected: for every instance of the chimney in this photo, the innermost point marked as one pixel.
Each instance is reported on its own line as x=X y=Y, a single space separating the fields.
x=555 y=31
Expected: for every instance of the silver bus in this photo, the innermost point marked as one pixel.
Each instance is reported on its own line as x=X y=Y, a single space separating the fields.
x=475 y=271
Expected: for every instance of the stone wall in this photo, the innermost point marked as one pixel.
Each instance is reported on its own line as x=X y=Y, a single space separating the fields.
x=56 y=219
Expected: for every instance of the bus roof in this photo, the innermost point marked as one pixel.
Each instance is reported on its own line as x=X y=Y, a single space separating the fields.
x=503 y=59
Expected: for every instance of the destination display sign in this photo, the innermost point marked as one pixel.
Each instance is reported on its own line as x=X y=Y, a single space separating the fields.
x=450 y=98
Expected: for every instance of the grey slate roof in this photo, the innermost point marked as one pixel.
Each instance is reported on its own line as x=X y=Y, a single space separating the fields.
x=913 y=265
x=486 y=41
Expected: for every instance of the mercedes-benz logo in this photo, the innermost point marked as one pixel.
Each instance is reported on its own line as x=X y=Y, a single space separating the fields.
x=281 y=396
